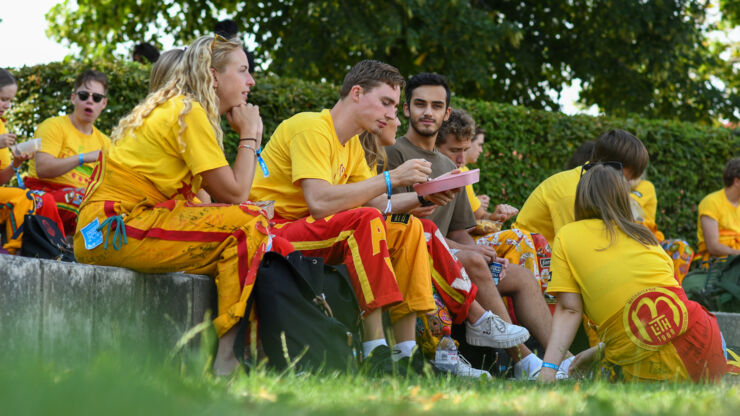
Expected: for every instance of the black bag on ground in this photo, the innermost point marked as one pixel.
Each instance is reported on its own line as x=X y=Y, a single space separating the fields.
x=716 y=287
x=313 y=304
x=43 y=239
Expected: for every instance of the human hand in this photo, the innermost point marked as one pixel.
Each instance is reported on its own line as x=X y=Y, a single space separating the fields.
x=503 y=212
x=421 y=212
x=488 y=253
x=19 y=158
x=410 y=172
x=547 y=375
x=91 y=157
x=245 y=119
x=584 y=361
x=7 y=140
x=484 y=201
x=442 y=198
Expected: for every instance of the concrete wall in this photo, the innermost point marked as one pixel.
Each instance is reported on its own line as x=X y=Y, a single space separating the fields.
x=73 y=310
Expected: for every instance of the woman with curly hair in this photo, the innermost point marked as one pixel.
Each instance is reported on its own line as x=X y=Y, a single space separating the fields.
x=140 y=209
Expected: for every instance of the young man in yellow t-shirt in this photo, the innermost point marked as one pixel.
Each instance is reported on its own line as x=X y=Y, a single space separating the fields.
x=70 y=146
x=718 y=228
x=327 y=204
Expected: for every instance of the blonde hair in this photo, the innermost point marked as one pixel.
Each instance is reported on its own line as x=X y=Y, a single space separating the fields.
x=192 y=79
x=164 y=69
x=374 y=151
x=603 y=193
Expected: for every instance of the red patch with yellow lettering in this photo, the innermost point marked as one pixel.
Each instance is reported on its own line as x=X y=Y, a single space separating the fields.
x=653 y=317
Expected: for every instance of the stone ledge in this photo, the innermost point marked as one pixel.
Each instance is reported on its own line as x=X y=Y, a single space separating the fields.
x=729 y=324
x=73 y=310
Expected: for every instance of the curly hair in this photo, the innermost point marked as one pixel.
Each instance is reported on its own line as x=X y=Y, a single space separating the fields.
x=192 y=79
x=460 y=125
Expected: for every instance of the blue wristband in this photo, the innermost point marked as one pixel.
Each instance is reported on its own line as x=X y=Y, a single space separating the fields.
x=82 y=161
x=262 y=163
x=388 y=189
x=18 y=177
x=545 y=364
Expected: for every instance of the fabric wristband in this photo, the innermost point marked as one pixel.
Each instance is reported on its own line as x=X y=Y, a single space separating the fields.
x=82 y=161
x=262 y=163
x=388 y=188
x=545 y=364
x=246 y=146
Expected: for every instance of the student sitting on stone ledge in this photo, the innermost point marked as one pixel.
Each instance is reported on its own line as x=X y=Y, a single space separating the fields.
x=140 y=210
x=70 y=145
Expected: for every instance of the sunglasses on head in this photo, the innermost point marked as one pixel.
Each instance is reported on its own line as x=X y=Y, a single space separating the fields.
x=84 y=95
x=219 y=38
x=611 y=164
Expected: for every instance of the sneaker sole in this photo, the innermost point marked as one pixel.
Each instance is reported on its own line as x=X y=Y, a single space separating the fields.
x=501 y=344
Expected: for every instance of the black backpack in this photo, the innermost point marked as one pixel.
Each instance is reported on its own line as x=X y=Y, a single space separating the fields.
x=43 y=239
x=717 y=286
x=313 y=306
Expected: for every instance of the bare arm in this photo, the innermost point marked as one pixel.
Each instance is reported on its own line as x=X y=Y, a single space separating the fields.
x=8 y=172
x=324 y=199
x=48 y=166
x=710 y=229
x=480 y=213
x=403 y=202
x=232 y=185
x=565 y=322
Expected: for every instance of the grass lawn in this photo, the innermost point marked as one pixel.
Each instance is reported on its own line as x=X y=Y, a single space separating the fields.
x=114 y=384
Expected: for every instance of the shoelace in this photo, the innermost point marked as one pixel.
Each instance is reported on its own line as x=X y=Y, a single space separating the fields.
x=120 y=234
x=498 y=323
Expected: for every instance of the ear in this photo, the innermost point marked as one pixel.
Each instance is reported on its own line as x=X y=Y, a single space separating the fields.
x=447 y=113
x=214 y=73
x=105 y=103
x=355 y=93
x=406 y=109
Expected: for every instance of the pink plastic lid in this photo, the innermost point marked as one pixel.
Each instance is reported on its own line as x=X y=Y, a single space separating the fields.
x=448 y=181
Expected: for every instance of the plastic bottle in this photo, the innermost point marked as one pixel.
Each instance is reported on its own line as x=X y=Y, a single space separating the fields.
x=446 y=358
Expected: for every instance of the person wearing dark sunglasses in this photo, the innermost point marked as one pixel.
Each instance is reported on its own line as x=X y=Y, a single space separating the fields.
x=550 y=205
x=70 y=145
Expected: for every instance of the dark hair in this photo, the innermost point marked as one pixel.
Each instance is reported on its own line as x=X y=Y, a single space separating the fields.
x=581 y=155
x=368 y=74
x=145 y=50
x=226 y=28
x=732 y=171
x=423 y=79
x=89 y=75
x=459 y=124
x=621 y=146
x=479 y=130
x=6 y=78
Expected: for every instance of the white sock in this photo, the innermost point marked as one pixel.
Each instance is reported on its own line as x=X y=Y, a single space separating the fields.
x=402 y=349
x=529 y=364
x=483 y=317
x=368 y=346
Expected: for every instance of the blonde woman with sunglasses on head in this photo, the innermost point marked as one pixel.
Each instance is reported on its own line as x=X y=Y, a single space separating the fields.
x=163 y=152
x=613 y=270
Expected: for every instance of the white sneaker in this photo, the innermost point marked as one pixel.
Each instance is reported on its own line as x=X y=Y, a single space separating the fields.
x=494 y=332
x=464 y=369
x=562 y=373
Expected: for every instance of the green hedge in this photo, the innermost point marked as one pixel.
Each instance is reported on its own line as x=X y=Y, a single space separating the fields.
x=523 y=146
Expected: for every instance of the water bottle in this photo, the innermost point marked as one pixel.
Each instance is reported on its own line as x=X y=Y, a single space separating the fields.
x=446 y=358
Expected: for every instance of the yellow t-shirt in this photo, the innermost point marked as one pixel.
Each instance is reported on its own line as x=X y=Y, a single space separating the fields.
x=606 y=279
x=644 y=194
x=474 y=201
x=306 y=146
x=172 y=163
x=5 y=157
x=60 y=138
x=551 y=205
x=718 y=207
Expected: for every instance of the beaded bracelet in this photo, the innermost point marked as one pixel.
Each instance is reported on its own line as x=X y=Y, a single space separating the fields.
x=246 y=146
